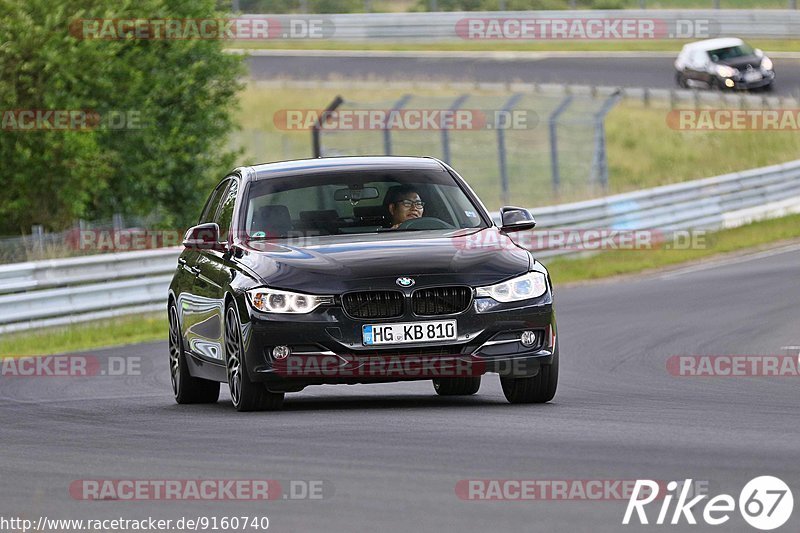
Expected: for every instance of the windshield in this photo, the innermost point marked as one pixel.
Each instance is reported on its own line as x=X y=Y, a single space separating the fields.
x=356 y=202
x=731 y=52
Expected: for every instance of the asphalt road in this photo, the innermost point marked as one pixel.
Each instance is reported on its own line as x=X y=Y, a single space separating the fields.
x=652 y=72
x=390 y=455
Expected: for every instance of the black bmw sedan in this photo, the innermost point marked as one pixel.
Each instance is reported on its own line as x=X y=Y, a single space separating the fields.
x=356 y=270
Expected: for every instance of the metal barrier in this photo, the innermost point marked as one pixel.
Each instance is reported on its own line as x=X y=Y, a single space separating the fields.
x=65 y=291
x=447 y=26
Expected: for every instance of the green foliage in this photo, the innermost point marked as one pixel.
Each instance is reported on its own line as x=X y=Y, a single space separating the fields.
x=180 y=95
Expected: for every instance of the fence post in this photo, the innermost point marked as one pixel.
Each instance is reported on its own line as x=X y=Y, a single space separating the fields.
x=387 y=133
x=316 y=142
x=600 y=161
x=552 y=122
x=792 y=4
x=501 y=146
x=37 y=232
x=457 y=103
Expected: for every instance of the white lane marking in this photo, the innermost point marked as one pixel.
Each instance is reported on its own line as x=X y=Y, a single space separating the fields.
x=730 y=261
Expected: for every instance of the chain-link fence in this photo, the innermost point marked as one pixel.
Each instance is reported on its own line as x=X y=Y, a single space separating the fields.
x=525 y=149
x=84 y=238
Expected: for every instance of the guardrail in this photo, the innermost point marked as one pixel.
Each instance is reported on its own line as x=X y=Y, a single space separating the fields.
x=64 y=291
x=442 y=26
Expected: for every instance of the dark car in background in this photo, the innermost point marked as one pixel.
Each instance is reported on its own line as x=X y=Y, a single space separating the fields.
x=724 y=63
x=296 y=275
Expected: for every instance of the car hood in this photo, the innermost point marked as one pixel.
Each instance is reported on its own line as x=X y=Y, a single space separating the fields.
x=337 y=264
x=742 y=62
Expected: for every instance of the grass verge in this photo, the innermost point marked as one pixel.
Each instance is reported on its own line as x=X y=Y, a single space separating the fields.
x=99 y=334
x=618 y=262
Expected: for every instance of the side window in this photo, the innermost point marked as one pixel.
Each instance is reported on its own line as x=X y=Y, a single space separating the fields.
x=212 y=203
x=225 y=213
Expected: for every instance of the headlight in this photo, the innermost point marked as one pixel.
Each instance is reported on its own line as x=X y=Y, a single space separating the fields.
x=275 y=301
x=766 y=63
x=726 y=72
x=530 y=285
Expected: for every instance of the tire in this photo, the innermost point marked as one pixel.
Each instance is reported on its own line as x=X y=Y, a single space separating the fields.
x=680 y=80
x=185 y=387
x=245 y=395
x=540 y=388
x=456 y=386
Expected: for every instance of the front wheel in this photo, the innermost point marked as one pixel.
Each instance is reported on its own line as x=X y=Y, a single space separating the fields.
x=185 y=387
x=680 y=80
x=540 y=388
x=245 y=394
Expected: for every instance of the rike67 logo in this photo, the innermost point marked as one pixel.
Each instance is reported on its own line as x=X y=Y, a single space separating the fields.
x=765 y=503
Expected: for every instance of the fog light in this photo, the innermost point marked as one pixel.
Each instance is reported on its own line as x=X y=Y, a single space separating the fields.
x=281 y=352
x=528 y=338
x=728 y=83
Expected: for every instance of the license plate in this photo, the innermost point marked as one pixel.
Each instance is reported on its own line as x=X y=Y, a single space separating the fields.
x=407 y=332
x=752 y=76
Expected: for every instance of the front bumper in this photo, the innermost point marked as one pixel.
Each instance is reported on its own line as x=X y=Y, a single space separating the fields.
x=327 y=347
x=740 y=84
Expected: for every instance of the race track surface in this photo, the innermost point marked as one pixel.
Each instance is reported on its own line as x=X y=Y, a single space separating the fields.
x=391 y=455
x=651 y=72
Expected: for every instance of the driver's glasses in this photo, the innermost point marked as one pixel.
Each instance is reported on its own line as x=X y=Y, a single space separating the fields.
x=408 y=204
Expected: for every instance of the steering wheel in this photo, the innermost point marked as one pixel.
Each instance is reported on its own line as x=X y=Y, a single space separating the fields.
x=425 y=223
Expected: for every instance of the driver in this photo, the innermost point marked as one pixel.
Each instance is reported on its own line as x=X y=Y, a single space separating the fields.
x=404 y=204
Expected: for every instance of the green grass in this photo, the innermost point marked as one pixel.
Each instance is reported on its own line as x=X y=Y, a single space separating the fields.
x=617 y=262
x=100 y=334
x=659 y=45
x=644 y=152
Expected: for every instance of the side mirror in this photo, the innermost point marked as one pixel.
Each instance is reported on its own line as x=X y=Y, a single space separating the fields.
x=202 y=237
x=516 y=219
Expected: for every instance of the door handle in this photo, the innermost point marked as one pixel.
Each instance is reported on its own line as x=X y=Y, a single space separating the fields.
x=194 y=270
x=181 y=261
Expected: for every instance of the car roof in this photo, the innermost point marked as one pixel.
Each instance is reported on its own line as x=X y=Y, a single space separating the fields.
x=344 y=164
x=714 y=44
